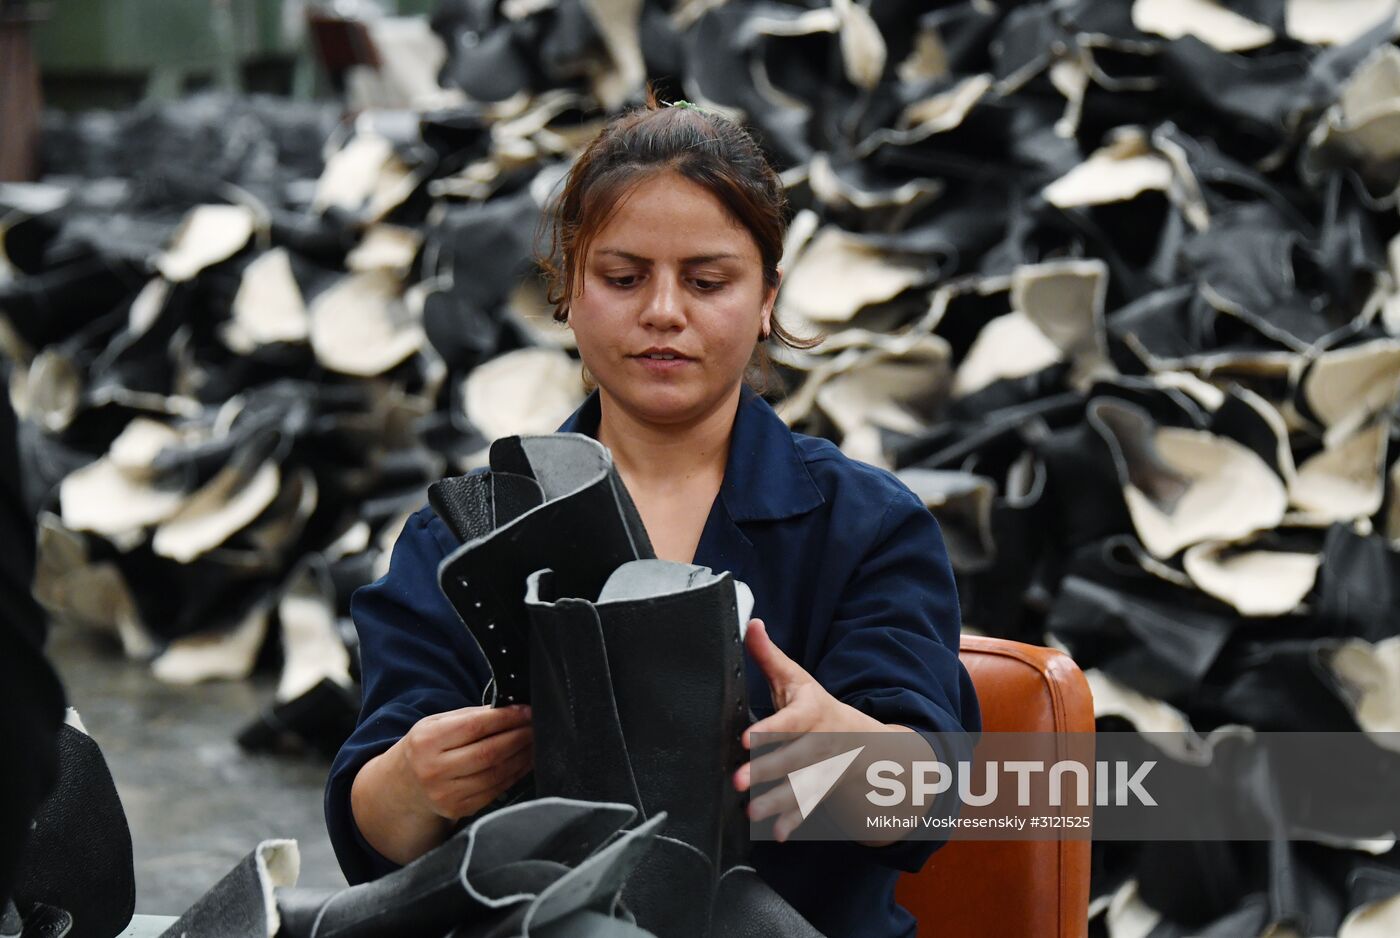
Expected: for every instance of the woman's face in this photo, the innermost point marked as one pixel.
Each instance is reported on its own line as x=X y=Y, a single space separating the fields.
x=672 y=302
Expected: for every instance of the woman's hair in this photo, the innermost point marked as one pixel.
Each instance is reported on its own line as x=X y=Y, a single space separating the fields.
x=704 y=147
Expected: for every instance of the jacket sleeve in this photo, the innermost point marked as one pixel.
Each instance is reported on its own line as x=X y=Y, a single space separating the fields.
x=892 y=651
x=417 y=659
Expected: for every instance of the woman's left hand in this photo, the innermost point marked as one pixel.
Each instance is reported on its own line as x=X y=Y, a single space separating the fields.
x=802 y=706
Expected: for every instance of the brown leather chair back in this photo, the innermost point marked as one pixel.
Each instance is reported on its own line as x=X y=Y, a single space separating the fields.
x=1011 y=889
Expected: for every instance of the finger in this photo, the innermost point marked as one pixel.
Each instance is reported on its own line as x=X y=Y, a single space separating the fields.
x=505 y=777
x=781 y=671
x=786 y=824
x=484 y=753
x=798 y=754
x=776 y=800
x=457 y=728
x=491 y=781
x=791 y=719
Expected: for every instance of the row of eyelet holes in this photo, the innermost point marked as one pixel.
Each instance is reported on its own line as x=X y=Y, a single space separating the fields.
x=491 y=626
x=739 y=702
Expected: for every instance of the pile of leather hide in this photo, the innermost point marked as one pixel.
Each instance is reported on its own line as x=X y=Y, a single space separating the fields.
x=1115 y=286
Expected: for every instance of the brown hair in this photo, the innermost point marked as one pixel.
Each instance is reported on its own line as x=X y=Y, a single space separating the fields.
x=699 y=144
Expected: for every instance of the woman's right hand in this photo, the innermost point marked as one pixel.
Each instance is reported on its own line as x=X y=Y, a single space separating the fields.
x=447 y=766
x=462 y=760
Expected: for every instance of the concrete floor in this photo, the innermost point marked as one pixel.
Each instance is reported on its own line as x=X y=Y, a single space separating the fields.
x=196 y=803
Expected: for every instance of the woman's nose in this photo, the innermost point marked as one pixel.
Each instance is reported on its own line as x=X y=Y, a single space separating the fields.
x=664 y=308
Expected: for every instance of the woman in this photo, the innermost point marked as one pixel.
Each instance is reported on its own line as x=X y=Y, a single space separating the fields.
x=668 y=237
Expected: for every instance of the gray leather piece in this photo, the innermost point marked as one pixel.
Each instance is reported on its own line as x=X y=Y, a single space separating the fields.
x=643 y=580
x=588 y=924
x=586 y=527
x=641 y=696
x=241 y=905
x=523 y=870
x=10 y=922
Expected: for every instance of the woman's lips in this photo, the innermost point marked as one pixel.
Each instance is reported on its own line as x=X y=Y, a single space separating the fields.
x=662 y=366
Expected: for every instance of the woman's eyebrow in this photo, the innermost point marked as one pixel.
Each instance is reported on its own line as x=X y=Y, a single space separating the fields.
x=697 y=259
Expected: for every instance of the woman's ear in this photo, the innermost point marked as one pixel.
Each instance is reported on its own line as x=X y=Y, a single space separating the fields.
x=766 y=321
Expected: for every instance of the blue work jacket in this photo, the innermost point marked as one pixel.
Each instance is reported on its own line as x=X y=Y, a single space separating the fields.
x=850 y=575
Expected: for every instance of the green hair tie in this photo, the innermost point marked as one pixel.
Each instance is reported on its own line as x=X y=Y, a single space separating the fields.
x=686 y=105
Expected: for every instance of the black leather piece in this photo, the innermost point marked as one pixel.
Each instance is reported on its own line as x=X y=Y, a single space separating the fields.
x=718 y=62
x=475 y=504
x=1165 y=406
x=31 y=696
x=568 y=44
x=580 y=749
x=327 y=236
x=1001 y=597
x=508 y=455
x=1253 y=96
x=78 y=856
x=457 y=135
x=489 y=68
x=512 y=495
x=641 y=694
x=1160 y=638
x=672 y=892
x=1169 y=651
x=1278 y=686
x=675 y=665
x=959 y=225
x=990 y=444
x=1357 y=583
x=182 y=150
x=1170 y=323
x=1239 y=419
x=1194 y=883
x=485 y=248
x=1023 y=41
x=1372 y=879
x=1082 y=490
x=46 y=921
x=464 y=503
x=52 y=305
x=320 y=719
x=585 y=529
x=1230 y=889
x=1267 y=273
x=1224 y=179
x=747 y=907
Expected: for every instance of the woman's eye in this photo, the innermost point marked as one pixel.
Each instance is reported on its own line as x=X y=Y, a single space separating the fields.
x=708 y=286
x=627 y=281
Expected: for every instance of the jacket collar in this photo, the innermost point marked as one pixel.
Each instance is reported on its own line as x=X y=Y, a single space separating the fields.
x=765 y=477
